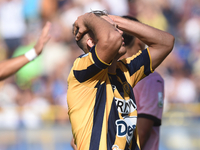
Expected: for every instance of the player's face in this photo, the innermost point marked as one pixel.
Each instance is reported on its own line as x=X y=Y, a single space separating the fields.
x=122 y=49
x=142 y=45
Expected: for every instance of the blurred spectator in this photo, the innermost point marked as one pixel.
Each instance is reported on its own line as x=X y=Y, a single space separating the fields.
x=32 y=12
x=192 y=29
x=33 y=109
x=12 y=24
x=119 y=7
x=182 y=89
x=9 y=116
x=43 y=81
x=48 y=9
x=151 y=15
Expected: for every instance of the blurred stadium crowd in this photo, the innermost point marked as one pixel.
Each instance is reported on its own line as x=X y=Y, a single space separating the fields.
x=37 y=93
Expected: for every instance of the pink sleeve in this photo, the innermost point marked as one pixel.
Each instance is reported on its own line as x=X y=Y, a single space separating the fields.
x=149 y=93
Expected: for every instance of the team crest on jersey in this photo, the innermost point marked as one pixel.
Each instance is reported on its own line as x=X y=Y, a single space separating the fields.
x=126 y=87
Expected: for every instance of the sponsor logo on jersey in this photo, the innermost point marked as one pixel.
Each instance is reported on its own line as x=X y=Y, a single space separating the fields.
x=126 y=127
x=125 y=106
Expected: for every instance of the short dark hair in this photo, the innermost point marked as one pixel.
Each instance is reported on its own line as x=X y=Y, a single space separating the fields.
x=129 y=39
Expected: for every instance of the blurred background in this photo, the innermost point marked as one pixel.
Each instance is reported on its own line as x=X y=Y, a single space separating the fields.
x=33 y=107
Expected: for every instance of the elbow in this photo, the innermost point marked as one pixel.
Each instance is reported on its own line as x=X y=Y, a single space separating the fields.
x=170 y=43
x=115 y=40
x=2 y=76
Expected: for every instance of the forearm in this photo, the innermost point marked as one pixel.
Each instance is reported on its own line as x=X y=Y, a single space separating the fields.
x=101 y=28
x=106 y=37
x=144 y=130
x=149 y=35
x=143 y=140
x=11 y=66
x=160 y=43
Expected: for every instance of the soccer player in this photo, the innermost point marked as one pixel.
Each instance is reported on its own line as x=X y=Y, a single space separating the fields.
x=102 y=108
x=11 y=66
x=149 y=94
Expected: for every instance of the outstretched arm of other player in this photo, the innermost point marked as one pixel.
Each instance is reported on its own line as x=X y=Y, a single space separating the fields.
x=11 y=66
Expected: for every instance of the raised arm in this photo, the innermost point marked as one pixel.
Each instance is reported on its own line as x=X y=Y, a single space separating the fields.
x=160 y=43
x=11 y=66
x=106 y=37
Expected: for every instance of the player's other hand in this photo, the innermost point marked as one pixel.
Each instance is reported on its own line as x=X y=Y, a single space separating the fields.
x=73 y=145
x=113 y=17
x=43 y=39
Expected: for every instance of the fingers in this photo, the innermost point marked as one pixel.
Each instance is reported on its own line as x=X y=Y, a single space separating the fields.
x=112 y=17
x=46 y=32
x=79 y=28
x=76 y=31
x=43 y=39
x=80 y=32
x=78 y=35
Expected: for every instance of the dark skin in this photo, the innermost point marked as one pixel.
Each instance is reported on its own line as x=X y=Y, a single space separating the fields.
x=160 y=43
x=109 y=42
x=144 y=125
x=144 y=130
x=107 y=38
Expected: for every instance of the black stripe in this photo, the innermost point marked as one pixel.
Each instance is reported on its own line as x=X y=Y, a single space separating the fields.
x=123 y=78
x=157 y=122
x=98 y=117
x=98 y=63
x=147 y=69
x=121 y=75
x=141 y=60
x=134 y=145
x=113 y=116
x=84 y=75
x=114 y=81
x=127 y=146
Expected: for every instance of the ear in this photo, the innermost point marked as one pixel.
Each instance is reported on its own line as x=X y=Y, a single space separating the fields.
x=90 y=42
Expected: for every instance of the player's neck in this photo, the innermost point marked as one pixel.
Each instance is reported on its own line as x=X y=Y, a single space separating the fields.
x=112 y=68
x=132 y=51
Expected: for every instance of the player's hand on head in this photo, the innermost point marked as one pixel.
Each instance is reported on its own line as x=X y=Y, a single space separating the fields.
x=43 y=39
x=79 y=27
x=113 y=17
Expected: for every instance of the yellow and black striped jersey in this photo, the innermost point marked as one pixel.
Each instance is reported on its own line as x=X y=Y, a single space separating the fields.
x=102 y=108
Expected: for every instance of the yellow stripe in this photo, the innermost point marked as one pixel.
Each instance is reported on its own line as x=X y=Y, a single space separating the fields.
x=112 y=73
x=150 y=60
x=100 y=59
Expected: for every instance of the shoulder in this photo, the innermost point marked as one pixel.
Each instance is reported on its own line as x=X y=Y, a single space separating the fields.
x=152 y=79
x=155 y=76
